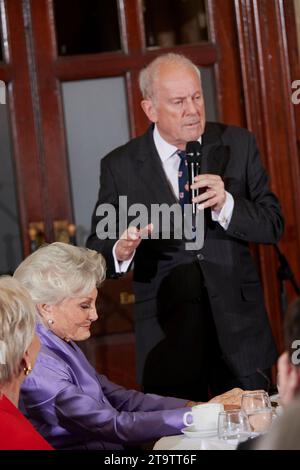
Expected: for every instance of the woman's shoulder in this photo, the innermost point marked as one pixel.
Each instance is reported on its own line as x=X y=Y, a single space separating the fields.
x=49 y=376
x=52 y=361
x=16 y=432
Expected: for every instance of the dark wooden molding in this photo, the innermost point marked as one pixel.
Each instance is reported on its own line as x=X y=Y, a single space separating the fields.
x=266 y=76
x=137 y=118
x=5 y=72
x=229 y=86
x=132 y=26
x=54 y=151
x=31 y=199
x=118 y=63
x=294 y=56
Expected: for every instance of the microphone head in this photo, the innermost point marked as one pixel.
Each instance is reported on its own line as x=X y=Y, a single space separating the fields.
x=193 y=151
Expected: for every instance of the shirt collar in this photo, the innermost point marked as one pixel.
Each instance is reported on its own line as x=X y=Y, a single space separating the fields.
x=164 y=149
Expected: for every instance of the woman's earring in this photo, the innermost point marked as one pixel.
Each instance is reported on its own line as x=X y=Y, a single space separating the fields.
x=50 y=322
x=27 y=369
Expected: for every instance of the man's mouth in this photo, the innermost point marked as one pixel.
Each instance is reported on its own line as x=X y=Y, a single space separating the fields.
x=192 y=124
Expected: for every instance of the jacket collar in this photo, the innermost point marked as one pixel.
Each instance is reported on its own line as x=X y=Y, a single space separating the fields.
x=215 y=154
x=50 y=339
x=214 y=159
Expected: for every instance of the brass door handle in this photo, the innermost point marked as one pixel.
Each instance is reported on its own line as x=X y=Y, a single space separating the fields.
x=64 y=232
x=36 y=234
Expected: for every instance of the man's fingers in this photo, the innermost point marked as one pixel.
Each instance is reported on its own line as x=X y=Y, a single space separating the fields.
x=130 y=240
x=209 y=203
x=131 y=234
x=134 y=234
x=146 y=230
x=205 y=196
x=208 y=177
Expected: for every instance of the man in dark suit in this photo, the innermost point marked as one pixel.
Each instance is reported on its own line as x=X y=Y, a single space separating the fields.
x=200 y=320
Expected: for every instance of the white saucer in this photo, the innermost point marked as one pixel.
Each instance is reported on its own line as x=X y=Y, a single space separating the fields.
x=190 y=431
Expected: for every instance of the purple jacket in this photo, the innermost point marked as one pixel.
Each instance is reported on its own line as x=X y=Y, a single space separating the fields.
x=73 y=407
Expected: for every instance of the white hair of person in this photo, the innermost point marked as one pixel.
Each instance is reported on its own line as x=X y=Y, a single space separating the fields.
x=60 y=271
x=148 y=75
x=17 y=325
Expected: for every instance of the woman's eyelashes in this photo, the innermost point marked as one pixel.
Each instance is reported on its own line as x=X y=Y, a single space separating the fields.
x=85 y=306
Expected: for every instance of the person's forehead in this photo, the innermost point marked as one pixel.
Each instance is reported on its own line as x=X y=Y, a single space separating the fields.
x=176 y=77
x=178 y=88
x=174 y=68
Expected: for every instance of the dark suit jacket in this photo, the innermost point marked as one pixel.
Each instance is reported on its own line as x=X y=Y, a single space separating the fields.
x=230 y=276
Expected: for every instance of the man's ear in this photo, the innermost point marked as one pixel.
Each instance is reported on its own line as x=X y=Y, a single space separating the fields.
x=150 y=110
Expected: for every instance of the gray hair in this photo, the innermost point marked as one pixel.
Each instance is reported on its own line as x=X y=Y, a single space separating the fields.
x=59 y=271
x=17 y=325
x=148 y=75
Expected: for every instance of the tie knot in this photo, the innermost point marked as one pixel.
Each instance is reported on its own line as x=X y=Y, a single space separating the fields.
x=182 y=154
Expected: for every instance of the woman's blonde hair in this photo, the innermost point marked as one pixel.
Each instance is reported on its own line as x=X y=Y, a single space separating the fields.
x=17 y=325
x=58 y=271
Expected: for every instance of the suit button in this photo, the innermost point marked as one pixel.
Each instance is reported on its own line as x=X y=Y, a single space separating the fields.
x=200 y=257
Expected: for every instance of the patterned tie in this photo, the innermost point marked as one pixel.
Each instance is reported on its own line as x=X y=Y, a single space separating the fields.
x=183 y=179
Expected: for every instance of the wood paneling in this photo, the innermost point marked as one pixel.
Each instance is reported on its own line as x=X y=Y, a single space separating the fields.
x=227 y=65
x=293 y=45
x=266 y=82
x=32 y=200
x=5 y=72
x=53 y=153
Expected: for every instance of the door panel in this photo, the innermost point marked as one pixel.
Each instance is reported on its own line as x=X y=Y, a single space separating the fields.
x=96 y=121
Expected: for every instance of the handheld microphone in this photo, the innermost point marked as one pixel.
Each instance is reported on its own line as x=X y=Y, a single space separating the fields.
x=193 y=156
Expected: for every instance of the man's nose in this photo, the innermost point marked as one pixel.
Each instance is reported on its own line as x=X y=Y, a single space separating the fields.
x=191 y=107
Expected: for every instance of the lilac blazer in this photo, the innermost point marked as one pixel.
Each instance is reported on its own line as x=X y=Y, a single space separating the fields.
x=73 y=407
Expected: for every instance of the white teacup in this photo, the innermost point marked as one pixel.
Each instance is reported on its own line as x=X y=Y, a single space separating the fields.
x=203 y=417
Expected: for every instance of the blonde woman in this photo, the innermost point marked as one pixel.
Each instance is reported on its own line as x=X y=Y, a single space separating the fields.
x=19 y=347
x=64 y=397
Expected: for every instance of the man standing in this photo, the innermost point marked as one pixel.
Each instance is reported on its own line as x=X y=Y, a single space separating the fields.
x=200 y=320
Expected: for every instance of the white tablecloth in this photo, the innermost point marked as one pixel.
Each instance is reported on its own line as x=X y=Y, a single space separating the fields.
x=182 y=442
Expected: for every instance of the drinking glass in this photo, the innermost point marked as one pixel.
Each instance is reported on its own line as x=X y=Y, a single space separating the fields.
x=257 y=406
x=233 y=425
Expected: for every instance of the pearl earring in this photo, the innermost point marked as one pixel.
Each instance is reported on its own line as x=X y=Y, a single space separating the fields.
x=50 y=322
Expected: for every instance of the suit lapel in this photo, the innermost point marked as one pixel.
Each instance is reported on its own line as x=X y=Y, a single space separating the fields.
x=151 y=172
x=215 y=155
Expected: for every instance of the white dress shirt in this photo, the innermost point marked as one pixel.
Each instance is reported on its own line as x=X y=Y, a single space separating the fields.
x=171 y=161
